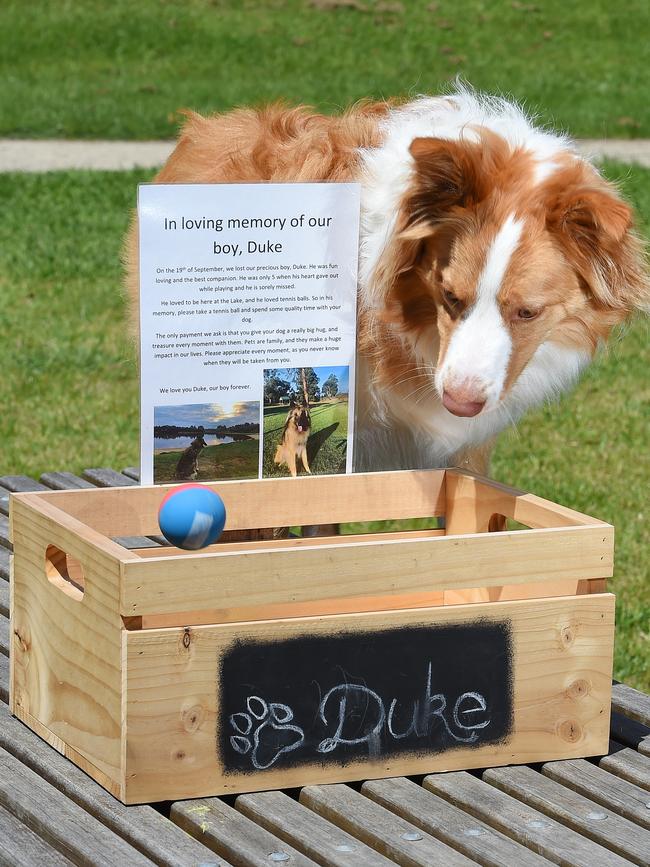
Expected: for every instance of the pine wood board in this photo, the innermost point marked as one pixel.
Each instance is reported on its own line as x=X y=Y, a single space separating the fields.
x=562 y=653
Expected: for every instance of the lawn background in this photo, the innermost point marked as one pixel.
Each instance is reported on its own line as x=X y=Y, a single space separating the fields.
x=68 y=387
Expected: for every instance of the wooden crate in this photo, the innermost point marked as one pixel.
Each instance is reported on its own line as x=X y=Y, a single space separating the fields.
x=267 y=664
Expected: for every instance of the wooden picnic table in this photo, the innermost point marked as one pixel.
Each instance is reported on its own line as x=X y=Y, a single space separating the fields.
x=581 y=812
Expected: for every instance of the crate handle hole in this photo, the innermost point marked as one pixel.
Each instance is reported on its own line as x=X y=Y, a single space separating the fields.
x=65 y=572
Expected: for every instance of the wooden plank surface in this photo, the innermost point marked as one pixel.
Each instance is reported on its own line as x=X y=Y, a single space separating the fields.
x=21 y=847
x=521 y=822
x=631 y=702
x=608 y=790
x=628 y=731
x=132 y=473
x=267 y=502
x=105 y=478
x=143 y=827
x=4 y=636
x=5 y=558
x=165 y=585
x=562 y=662
x=630 y=765
x=64 y=481
x=453 y=826
x=307 y=832
x=4 y=678
x=21 y=484
x=5 y=541
x=233 y=836
x=386 y=832
x=4 y=598
x=573 y=811
x=59 y=821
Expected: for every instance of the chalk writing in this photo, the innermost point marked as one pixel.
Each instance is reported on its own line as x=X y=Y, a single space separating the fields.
x=346 y=697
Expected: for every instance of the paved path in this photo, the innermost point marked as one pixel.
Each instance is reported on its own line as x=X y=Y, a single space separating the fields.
x=42 y=155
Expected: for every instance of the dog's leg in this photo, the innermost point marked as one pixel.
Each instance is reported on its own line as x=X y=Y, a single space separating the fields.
x=303 y=457
x=291 y=463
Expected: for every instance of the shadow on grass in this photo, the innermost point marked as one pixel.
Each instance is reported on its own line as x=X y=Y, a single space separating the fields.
x=318 y=440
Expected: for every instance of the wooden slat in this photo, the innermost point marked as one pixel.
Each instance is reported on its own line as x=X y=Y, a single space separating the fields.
x=521 y=822
x=496 y=498
x=4 y=598
x=631 y=702
x=562 y=663
x=355 y=568
x=4 y=636
x=62 y=823
x=609 y=791
x=627 y=731
x=20 y=484
x=5 y=555
x=307 y=832
x=630 y=765
x=132 y=473
x=233 y=836
x=448 y=823
x=386 y=832
x=574 y=811
x=269 y=502
x=4 y=501
x=103 y=477
x=143 y=827
x=4 y=678
x=21 y=847
x=5 y=540
x=281 y=544
x=137 y=542
x=64 y=481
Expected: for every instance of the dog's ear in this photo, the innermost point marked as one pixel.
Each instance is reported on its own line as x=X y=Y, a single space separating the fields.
x=594 y=228
x=448 y=179
x=447 y=176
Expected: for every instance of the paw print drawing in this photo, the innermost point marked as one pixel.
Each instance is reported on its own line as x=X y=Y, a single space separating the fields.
x=263 y=730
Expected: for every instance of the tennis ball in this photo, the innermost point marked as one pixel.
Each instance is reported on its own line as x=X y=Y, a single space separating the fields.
x=192 y=516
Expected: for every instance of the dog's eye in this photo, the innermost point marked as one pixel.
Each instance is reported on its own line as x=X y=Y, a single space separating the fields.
x=527 y=313
x=452 y=301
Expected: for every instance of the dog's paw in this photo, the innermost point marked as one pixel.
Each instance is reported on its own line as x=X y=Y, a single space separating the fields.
x=263 y=730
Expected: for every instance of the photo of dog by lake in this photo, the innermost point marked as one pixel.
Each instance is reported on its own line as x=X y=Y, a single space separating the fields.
x=206 y=442
x=305 y=421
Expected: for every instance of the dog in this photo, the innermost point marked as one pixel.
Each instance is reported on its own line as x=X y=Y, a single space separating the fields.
x=293 y=443
x=494 y=259
x=188 y=463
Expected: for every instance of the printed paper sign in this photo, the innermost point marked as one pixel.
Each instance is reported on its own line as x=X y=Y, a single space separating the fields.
x=247 y=329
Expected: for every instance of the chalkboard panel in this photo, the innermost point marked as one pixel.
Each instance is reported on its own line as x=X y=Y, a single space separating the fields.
x=351 y=695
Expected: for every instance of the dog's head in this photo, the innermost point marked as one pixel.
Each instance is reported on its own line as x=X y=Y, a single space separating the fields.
x=497 y=258
x=299 y=417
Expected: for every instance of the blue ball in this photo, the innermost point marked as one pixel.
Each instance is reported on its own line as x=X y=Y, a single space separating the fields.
x=192 y=516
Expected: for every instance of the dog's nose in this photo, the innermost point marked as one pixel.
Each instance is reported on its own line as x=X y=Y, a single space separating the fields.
x=465 y=400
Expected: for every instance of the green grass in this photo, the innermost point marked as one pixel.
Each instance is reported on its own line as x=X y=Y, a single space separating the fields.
x=326 y=447
x=236 y=460
x=68 y=383
x=85 y=68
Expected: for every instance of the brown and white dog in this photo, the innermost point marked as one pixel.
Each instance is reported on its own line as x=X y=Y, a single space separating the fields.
x=494 y=259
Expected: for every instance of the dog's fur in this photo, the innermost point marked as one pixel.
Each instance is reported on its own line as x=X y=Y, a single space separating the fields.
x=494 y=259
x=293 y=443
x=188 y=463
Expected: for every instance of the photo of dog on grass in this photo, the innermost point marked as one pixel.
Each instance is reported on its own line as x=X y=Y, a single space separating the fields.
x=206 y=442
x=305 y=421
